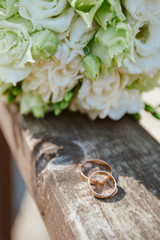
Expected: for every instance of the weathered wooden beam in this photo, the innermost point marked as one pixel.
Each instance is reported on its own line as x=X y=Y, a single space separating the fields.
x=48 y=153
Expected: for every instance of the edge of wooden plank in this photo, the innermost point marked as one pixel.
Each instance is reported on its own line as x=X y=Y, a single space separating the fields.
x=21 y=149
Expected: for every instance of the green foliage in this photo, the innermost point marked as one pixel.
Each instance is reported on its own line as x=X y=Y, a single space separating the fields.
x=59 y=107
x=152 y=110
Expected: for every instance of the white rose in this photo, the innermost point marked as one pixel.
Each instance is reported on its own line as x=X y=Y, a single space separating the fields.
x=140 y=9
x=52 y=79
x=66 y=73
x=146 y=50
x=8 y=8
x=106 y=96
x=47 y=14
x=79 y=34
x=144 y=17
x=15 y=44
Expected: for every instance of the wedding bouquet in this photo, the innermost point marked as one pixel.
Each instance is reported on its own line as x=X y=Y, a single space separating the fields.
x=92 y=56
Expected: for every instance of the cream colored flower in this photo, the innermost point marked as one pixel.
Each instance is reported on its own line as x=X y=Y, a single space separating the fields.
x=37 y=81
x=52 y=79
x=107 y=97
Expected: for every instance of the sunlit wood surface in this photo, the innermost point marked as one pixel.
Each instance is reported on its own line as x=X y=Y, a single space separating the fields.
x=48 y=153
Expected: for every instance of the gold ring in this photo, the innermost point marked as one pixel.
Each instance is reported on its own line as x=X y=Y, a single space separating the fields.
x=99 y=195
x=96 y=162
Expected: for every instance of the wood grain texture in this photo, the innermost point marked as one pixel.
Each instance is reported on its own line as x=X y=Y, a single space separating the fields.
x=48 y=153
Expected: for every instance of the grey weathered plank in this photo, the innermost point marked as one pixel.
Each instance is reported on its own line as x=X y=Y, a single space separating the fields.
x=48 y=153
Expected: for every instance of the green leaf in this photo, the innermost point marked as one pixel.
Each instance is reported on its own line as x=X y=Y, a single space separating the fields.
x=16 y=91
x=156 y=115
x=86 y=51
x=13 y=92
x=57 y=109
x=63 y=105
x=11 y=98
x=149 y=108
x=137 y=116
x=68 y=96
x=152 y=110
x=60 y=106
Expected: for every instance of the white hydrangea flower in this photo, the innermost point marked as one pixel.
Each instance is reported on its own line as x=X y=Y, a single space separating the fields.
x=47 y=14
x=52 y=79
x=107 y=96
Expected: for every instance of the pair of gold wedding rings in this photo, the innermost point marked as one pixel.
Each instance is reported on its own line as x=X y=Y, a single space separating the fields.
x=98 y=180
